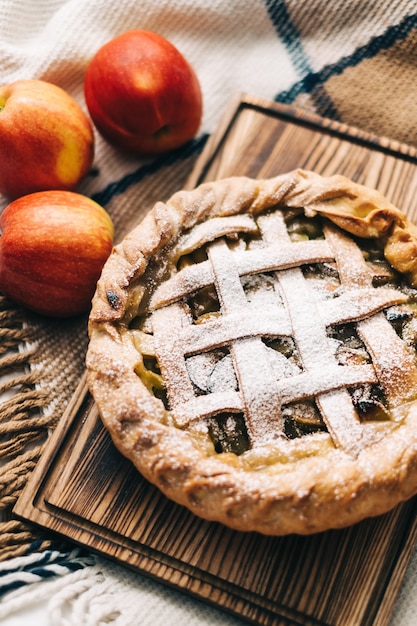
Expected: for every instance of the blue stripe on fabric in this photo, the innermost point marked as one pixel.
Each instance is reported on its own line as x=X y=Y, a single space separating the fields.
x=291 y=39
x=49 y=564
x=289 y=35
x=118 y=187
x=12 y=586
x=379 y=43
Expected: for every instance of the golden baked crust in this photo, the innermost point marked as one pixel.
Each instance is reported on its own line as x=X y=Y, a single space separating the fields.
x=249 y=402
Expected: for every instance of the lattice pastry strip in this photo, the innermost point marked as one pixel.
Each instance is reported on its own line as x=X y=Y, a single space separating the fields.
x=256 y=377
x=249 y=262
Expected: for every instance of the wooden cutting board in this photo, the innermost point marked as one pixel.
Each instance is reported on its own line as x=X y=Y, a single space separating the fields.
x=84 y=490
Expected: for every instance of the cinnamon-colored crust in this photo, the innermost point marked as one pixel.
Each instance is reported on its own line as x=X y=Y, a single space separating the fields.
x=281 y=486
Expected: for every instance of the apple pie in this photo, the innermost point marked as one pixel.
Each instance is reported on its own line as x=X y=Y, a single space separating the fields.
x=253 y=352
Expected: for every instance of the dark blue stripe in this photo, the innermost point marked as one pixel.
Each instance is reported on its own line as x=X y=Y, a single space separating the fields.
x=44 y=572
x=41 y=569
x=11 y=586
x=314 y=80
x=118 y=187
x=289 y=35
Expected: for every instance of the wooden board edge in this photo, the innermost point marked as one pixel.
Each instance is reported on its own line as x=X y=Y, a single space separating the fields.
x=295 y=115
x=25 y=502
x=391 y=593
x=216 y=138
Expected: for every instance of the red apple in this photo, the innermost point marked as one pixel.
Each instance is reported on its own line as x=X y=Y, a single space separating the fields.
x=46 y=139
x=142 y=94
x=52 y=249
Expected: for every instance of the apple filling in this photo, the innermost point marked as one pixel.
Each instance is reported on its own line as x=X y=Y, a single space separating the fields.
x=209 y=364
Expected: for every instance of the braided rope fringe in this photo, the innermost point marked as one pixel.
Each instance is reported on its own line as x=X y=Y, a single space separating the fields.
x=23 y=429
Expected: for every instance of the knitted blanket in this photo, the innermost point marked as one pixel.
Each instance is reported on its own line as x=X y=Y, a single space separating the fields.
x=350 y=61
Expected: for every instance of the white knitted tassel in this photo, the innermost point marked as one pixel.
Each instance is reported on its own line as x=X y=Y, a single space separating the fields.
x=108 y=593
x=95 y=598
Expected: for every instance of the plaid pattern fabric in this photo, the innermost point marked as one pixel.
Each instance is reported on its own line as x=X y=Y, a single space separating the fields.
x=356 y=63
x=351 y=61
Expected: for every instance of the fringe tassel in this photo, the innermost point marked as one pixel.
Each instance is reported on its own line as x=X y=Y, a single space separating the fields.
x=23 y=428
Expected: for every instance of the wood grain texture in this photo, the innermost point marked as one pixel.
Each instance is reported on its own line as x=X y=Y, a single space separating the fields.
x=83 y=488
